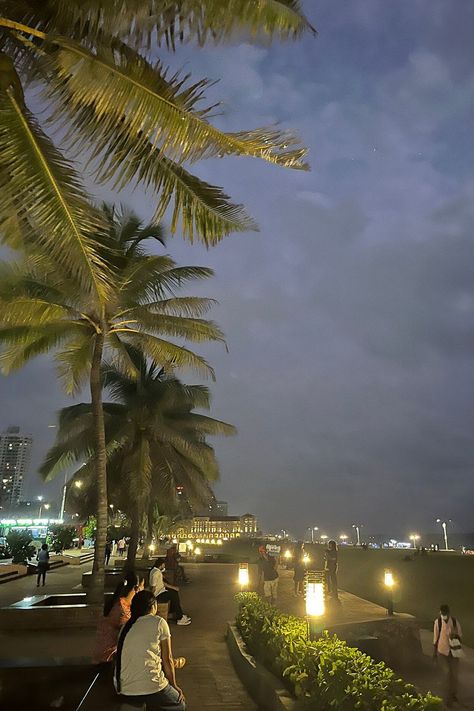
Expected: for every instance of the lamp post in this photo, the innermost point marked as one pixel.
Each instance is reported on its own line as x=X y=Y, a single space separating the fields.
x=343 y=538
x=243 y=576
x=40 y=499
x=314 y=602
x=414 y=537
x=389 y=583
x=357 y=527
x=444 y=526
x=324 y=538
x=313 y=529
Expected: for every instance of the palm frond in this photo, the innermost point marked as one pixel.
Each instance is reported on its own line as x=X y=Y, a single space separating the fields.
x=22 y=343
x=169 y=355
x=194 y=422
x=124 y=90
x=193 y=329
x=44 y=187
x=73 y=363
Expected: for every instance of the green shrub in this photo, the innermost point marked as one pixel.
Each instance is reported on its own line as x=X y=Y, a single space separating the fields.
x=62 y=537
x=20 y=545
x=325 y=674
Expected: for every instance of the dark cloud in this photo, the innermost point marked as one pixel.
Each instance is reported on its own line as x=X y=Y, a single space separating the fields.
x=349 y=316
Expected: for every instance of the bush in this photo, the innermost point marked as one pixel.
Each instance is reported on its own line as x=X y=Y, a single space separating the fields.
x=325 y=674
x=62 y=537
x=19 y=543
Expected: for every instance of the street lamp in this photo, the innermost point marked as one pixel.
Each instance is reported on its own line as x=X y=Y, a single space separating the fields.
x=343 y=537
x=313 y=529
x=243 y=575
x=357 y=527
x=323 y=537
x=414 y=537
x=389 y=583
x=77 y=484
x=40 y=499
x=314 y=601
x=444 y=526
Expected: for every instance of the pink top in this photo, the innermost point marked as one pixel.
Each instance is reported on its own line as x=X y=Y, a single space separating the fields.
x=447 y=629
x=108 y=631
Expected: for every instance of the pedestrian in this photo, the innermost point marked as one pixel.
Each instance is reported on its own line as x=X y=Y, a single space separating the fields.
x=121 y=546
x=108 y=552
x=167 y=593
x=144 y=670
x=270 y=578
x=262 y=552
x=299 y=569
x=42 y=565
x=331 y=567
x=172 y=563
x=447 y=637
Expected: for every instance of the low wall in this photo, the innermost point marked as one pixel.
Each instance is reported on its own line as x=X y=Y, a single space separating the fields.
x=13 y=568
x=34 y=613
x=264 y=687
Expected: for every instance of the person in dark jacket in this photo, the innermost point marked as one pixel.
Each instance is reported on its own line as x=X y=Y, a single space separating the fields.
x=42 y=565
x=330 y=566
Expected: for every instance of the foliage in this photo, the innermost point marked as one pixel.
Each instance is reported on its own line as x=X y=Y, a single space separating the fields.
x=326 y=673
x=155 y=440
x=20 y=545
x=90 y=527
x=101 y=89
x=62 y=537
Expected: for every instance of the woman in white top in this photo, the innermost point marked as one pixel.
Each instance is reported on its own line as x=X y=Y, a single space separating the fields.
x=144 y=671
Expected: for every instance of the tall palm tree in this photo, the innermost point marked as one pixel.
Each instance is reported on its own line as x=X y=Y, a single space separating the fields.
x=155 y=440
x=41 y=310
x=100 y=89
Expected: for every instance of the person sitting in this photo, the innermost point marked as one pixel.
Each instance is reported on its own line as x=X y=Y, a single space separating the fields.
x=144 y=671
x=116 y=614
x=172 y=563
x=167 y=593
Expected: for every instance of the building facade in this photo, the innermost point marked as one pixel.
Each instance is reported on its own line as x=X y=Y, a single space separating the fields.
x=15 y=455
x=218 y=508
x=213 y=528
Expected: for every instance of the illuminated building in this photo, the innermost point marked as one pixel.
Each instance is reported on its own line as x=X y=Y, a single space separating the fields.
x=15 y=453
x=209 y=528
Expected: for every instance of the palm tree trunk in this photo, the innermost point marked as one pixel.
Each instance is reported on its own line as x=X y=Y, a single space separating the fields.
x=134 y=536
x=149 y=528
x=96 y=590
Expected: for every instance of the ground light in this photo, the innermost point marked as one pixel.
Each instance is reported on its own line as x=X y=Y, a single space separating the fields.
x=197 y=551
x=243 y=576
x=389 y=582
x=315 y=602
x=306 y=559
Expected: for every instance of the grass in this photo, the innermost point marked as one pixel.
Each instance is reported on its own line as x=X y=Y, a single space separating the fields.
x=422 y=584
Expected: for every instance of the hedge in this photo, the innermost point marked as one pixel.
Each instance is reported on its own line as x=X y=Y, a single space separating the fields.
x=325 y=674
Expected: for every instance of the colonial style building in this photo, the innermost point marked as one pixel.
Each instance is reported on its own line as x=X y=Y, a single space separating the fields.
x=211 y=528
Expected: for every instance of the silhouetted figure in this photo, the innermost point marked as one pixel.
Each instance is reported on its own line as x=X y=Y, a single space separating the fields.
x=108 y=552
x=299 y=568
x=42 y=565
x=331 y=566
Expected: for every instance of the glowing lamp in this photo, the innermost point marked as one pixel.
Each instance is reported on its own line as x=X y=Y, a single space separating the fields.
x=288 y=554
x=197 y=551
x=388 y=579
x=243 y=575
x=219 y=541
x=389 y=583
x=315 y=606
x=151 y=547
x=306 y=559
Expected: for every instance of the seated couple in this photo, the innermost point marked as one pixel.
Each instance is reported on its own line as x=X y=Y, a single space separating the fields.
x=167 y=593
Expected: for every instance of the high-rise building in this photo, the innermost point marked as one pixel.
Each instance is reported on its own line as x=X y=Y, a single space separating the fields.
x=15 y=454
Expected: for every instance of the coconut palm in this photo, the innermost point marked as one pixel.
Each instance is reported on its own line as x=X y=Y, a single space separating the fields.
x=42 y=310
x=110 y=102
x=155 y=439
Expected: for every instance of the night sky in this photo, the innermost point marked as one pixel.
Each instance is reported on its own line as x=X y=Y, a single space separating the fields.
x=349 y=316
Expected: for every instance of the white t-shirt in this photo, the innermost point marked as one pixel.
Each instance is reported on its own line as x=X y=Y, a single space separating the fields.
x=156 y=581
x=141 y=670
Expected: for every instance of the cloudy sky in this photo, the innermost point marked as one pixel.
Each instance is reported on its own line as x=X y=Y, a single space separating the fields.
x=349 y=316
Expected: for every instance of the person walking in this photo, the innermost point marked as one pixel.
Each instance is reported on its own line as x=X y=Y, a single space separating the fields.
x=108 y=552
x=42 y=565
x=299 y=569
x=270 y=578
x=144 y=670
x=447 y=638
x=167 y=593
x=331 y=566
x=121 y=546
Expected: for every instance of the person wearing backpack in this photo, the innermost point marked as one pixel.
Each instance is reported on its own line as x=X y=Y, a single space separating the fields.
x=447 y=637
x=144 y=670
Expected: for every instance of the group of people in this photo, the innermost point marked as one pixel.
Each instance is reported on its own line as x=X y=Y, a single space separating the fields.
x=135 y=642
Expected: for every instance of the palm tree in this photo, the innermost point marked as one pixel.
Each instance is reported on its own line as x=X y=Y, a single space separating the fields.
x=41 y=311
x=116 y=107
x=155 y=439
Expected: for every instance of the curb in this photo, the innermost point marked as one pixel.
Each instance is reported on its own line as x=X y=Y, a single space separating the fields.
x=264 y=687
